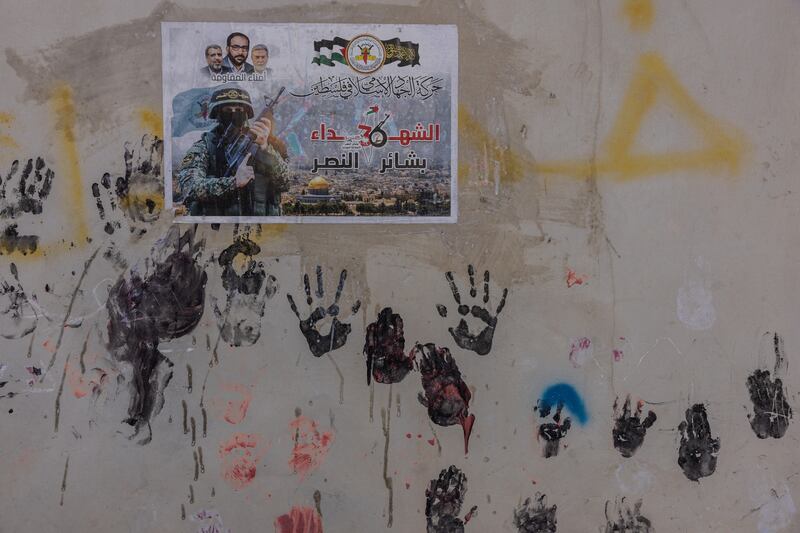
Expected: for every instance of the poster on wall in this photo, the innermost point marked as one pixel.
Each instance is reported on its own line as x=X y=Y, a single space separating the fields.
x=320 y=123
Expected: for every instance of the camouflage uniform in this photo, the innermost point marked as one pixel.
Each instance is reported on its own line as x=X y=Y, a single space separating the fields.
x=206 y=193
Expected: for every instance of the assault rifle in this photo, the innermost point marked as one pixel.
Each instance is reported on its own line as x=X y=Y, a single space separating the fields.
x=236 y=150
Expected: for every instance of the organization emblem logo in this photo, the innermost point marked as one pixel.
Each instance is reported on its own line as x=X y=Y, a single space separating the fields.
x=365 y=54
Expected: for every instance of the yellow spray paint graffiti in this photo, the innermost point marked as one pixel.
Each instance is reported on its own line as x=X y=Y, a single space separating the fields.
x=6 y=141
x=722 y=148
x=64 y=109
x=640 y=13
x=150 y=121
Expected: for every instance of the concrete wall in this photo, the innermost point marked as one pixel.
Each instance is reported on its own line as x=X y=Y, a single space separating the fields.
x=627 y=172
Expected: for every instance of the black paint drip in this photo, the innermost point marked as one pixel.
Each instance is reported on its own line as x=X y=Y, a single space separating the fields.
x=480 y=343
x=629 y=429
x=771 y=412
x=444 y=499
x=446 y=395
x=552 y=432
x=385 y=349
x=240 y=322
x=697 y=455
x=336 y=337
x=627 y=519
x=166 y=303
x=535 y=517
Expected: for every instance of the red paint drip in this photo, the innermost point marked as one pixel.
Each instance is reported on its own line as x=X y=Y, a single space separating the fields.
x=467 y=424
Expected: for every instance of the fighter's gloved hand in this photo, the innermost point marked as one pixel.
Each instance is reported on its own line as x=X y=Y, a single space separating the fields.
x=244 y=174
x=262 y=128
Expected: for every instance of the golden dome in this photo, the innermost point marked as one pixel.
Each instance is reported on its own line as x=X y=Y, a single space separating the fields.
x=318 y=183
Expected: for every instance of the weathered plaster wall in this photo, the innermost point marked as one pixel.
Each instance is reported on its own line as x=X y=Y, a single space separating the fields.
x=627 y=172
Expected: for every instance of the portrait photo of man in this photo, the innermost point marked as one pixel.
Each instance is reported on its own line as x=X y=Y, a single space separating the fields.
x=238 y=46
x=253 y=188
x=214 y=60
x=260 y=57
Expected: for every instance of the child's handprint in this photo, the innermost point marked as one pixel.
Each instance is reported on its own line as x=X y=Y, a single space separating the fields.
x=30 y=192
x=771 y=412
x=535 y=517
x=480 y=343
x=444 y=499
x=629 y=430
x=697 y=455
x=627 y=519
x=28 y=195
x=247 y=294
x=18 y=317
x=385 y=349
x=335 y=338
x=552 y=432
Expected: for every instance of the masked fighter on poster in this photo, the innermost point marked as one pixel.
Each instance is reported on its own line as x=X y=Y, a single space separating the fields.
x=256 y=186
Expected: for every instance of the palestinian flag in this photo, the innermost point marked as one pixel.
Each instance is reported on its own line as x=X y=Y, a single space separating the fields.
x=336 y=54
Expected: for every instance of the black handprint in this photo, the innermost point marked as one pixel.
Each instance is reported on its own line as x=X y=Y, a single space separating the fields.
x=240 y=322
x=33 y=187
x=629 y=430
x=482 y=342
x=337 y=336
x=535 y=518
x=552 y=432
x=444 y=499
x=387 y=361
x=771 y=411
x=627 y=520
x=139 y=193
x=697 y=455
x=18 y=317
